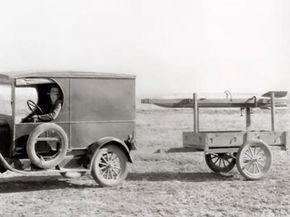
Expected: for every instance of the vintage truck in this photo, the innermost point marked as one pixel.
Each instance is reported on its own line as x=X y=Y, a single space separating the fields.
x=92 y=131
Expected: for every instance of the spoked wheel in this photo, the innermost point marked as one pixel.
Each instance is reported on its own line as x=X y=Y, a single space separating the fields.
x=254 y=159
x=109 y=166
x=220 y=162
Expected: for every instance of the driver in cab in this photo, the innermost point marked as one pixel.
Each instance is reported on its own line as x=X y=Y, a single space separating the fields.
x=55 y=108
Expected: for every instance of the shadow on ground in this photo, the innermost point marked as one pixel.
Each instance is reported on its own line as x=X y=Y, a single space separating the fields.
x=186 y=176
x=41 y=183
x=38 y=183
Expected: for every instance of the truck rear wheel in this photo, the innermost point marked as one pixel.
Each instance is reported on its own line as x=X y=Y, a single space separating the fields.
x=109 y=166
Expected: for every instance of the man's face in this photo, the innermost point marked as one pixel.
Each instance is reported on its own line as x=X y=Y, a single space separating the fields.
x=54 y=94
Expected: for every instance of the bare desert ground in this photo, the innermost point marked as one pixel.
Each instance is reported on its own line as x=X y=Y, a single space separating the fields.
x=161 y=184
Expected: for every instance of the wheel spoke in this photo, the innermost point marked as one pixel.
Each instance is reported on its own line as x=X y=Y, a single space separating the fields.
x=103 y=172
x=246 y=153
x=110 y=173
x=254 y=151
x=224 y=162
x=258 y=153
x=107 y=173
x=259 y=163
x=115 y=159
x=107 y=156
x=254 y=168
x=116 y=165
x=252 y=154
x=116 y=173
x=112 y=156
x=250 y=168
x=116 y=170
x=216 y=161
x=259 y=170
x=249 y=165
x=213 y=157
x=103 y=167
x=102 y=164
x=103 y=159
x=229 y=162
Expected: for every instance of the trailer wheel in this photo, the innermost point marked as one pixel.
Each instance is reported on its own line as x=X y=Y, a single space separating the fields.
x=47 y=145
x=109 y=166
x=254 y=159
x=220 y=162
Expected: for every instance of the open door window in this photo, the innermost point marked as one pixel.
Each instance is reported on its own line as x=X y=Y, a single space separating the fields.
x=37 y=100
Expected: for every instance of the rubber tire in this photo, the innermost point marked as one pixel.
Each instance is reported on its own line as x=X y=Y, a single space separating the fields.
x=218 y=169
x=31 y=142
x=242 y=151
x=94 y=166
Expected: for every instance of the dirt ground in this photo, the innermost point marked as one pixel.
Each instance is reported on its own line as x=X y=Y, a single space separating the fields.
x=160 y=184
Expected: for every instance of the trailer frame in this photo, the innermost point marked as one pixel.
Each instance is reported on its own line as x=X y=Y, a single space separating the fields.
x=248 y=149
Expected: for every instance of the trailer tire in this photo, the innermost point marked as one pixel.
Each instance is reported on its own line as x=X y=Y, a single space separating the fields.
x=109 y=166
x=33 y=139
x=254 y=159
x=220 y=162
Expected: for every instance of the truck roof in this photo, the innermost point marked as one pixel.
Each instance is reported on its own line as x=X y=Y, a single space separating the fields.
x=61 y=74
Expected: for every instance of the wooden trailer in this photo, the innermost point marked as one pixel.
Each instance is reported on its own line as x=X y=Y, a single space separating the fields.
x=249 y=150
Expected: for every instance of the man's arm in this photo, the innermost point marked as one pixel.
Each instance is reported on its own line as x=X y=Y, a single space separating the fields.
x=52 y=115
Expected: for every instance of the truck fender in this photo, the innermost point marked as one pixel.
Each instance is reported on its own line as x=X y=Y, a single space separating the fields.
x=109 y=140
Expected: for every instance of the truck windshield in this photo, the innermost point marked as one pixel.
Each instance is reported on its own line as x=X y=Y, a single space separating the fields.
x=5 y=99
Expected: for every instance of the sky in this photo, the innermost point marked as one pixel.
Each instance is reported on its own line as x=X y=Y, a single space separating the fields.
x=172 y=46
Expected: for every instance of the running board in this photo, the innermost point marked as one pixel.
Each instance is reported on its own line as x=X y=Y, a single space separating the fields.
x=8 y=167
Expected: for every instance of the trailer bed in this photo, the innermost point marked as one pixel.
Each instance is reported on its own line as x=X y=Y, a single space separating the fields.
x=224 y=141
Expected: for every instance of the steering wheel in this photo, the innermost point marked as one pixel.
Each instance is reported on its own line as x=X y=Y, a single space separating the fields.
x=34 y=107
